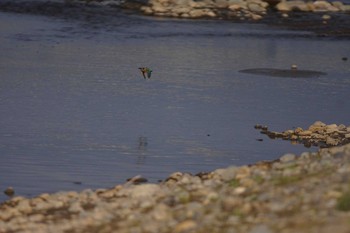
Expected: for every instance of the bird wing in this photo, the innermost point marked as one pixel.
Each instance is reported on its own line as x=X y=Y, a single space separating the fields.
x=149 y=73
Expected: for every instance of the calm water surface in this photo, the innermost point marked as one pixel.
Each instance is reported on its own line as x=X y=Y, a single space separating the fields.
x=75 y=108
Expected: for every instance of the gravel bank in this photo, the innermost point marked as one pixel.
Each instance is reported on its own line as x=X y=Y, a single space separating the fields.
x=305 y=193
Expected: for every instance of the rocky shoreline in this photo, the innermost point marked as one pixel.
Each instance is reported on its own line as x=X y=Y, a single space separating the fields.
x=305 y=193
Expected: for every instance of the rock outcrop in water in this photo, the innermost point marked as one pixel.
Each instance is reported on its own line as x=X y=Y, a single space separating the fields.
x=318 y=134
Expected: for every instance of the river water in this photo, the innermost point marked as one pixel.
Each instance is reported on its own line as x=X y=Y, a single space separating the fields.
x=76 y=112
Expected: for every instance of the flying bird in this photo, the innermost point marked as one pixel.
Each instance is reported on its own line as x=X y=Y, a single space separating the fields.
x=146 y=72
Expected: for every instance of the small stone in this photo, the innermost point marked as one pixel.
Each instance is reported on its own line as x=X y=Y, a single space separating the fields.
x=9 y=191
x=161 y=212
x=305 y=133
x=240 y=190
x=277 y=207
x=294 y=67
x=298 y=130
x=321 y=5
x=24 y=206
x=176 y=176
x=283 y=6
x=342 y=127
x=185 y=226
x=319 y=124
x=147 y=10
x=254 y=7
x=234 y=7
x=261 y=229
x=197 y=13
x=288 y=132
x=212 y=15
x=145 y=191
x=75 y=208
x=338 y=4
x=288 y=158
x=255 y=17
x=326 y=17
x=227 y=173
x=331 y=141
x=305 y=155
x=137 y=180
x=333 y=194
x=242 y=172
x=159 y=9
x=264 y=128
x=221 y=3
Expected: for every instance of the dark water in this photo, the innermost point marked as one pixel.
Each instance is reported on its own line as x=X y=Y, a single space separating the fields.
x=75 y=108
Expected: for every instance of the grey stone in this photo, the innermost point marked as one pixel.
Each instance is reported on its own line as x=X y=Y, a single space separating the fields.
x=261 y=229
x=287 y=158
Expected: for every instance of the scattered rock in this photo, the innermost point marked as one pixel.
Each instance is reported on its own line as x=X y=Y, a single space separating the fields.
x=9 y=191
x=288 y=158
x=294 y=67
x=185 y=226
x=137 y=180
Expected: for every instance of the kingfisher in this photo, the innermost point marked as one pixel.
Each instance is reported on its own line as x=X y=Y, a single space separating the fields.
x=146 y=72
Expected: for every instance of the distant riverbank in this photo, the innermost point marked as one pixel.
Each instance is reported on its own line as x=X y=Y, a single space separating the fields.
x=239 y=9
x=326 y=18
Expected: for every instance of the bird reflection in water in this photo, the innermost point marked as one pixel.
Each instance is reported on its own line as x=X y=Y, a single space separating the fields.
x=142 y=148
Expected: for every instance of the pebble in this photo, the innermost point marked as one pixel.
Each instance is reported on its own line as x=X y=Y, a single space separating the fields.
x=9 y=191
x=239 y=190
x=261 y=229
x=185 y=226
x=294 y=67
x=287 y=158
x=137 y=180
x=226 y=174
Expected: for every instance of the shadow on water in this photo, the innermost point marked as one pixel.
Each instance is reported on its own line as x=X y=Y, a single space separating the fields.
x=291 y=73
x=76 y=112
